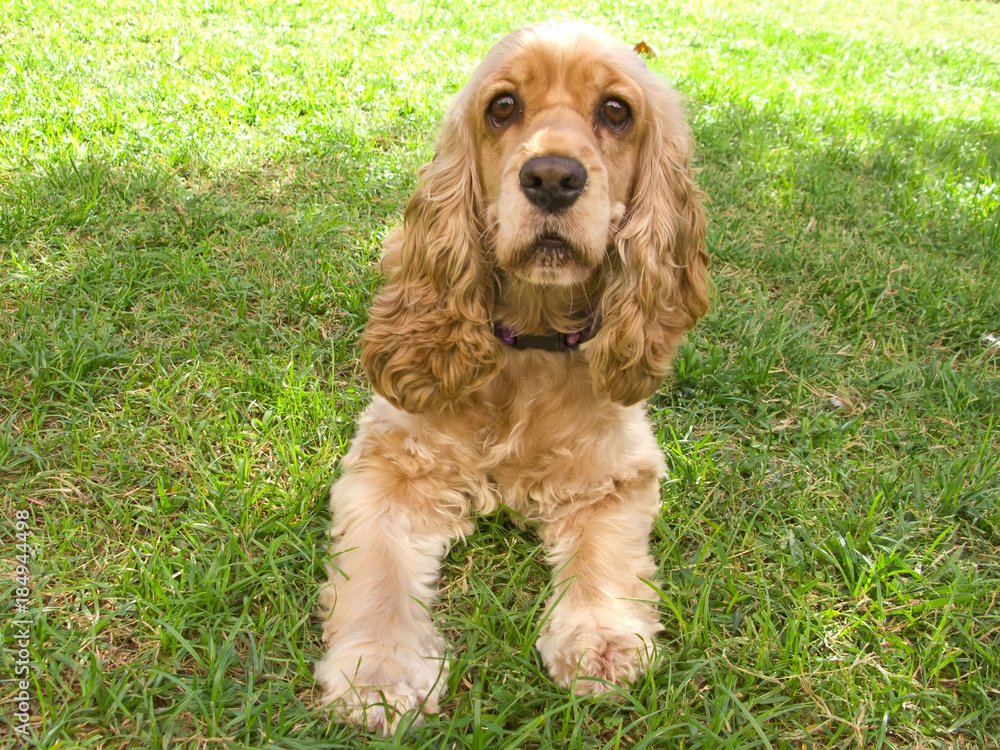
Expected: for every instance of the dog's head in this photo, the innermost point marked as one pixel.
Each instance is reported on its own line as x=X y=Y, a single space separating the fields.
x=563 y=163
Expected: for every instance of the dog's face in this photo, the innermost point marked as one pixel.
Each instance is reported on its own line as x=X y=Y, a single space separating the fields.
x=559 y=122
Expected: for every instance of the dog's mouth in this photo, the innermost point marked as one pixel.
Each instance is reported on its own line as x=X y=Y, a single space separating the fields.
x=551 y=250
x=550 y=258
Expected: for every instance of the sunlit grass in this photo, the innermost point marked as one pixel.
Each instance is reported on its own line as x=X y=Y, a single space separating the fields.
x=192 y=196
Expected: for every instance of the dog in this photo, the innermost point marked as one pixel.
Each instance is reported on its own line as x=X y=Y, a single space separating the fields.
x=549 y=262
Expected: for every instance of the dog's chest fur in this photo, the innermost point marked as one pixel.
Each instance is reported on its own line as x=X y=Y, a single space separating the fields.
x=547 y=440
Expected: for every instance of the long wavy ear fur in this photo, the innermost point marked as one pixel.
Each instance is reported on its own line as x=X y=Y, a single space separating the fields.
x=659 y=282
x=429 y=341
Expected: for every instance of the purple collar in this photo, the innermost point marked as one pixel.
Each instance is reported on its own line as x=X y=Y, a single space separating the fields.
x=551 y=341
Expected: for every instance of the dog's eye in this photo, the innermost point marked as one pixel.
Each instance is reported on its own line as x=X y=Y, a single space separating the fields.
x=615 y=113
x=501 y=109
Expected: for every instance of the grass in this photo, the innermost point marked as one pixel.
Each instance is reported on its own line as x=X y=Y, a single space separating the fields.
x=192 y=196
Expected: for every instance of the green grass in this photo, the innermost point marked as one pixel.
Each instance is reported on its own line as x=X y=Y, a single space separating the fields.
x=192 y=195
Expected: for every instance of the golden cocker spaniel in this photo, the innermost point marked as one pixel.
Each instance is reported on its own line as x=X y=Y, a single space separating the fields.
x=549 y=263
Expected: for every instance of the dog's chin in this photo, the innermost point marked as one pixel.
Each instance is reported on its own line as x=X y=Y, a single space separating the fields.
x=550 y=260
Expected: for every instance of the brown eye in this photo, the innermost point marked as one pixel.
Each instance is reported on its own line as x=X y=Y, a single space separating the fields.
x=615 y=113
x=501 y=109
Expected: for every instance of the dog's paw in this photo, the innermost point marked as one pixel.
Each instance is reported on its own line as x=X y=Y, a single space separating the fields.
x=375 y=685
x=591 y=660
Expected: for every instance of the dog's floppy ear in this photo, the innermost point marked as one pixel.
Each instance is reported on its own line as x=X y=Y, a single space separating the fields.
x=429 y=339
x=659 y=281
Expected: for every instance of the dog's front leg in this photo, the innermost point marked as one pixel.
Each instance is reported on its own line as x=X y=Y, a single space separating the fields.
x=600 y=621
x=396 y=510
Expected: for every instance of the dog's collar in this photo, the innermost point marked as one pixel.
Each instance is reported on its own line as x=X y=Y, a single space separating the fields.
x=551 y=341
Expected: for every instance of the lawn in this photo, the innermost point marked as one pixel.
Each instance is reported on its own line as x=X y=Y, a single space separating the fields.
x=192 y=199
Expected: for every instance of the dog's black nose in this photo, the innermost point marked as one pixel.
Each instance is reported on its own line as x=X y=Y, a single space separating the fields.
x=553 y=182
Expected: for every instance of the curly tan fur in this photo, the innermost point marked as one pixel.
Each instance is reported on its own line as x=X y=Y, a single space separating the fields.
x=463 y=422
x=660 y=289
x=428 y=341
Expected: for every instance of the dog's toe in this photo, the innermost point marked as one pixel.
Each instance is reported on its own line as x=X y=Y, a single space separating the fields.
x=592 y=661
x=376 y=688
